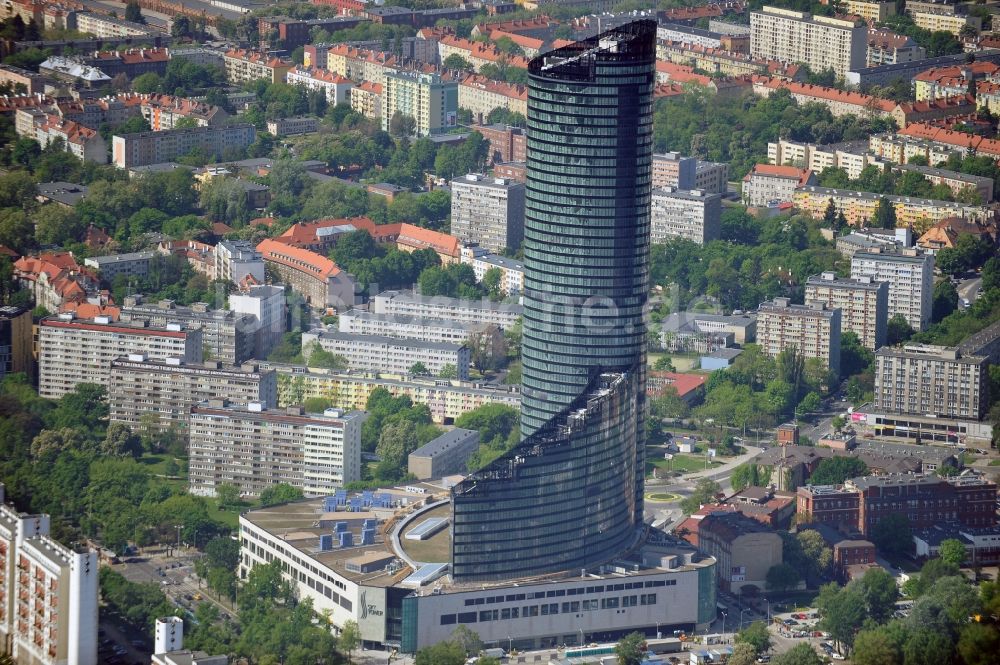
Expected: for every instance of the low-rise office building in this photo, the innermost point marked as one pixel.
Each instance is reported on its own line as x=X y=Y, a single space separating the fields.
x=911 y=281
x=135 y=264
x=446 y=455
x=813 y=329
x=863 y=304
x=690 y=214
x=157 y=395
x=255 y=448
x=48 y=593
x=488 y=212
x=390 y=354
x=922 y=379
x=407 y=303
x=226 y=335
x=336 y=552
x=73 y=351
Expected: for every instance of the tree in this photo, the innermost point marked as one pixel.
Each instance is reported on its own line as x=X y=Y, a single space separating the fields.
x=837 y=423
x=228 y=495
x=899 y=330
x=120 y=441
x=146 y=83
x=757 y=636
x=181 y=27
x=878 y=588
x=320 y=357
x=892 y=535
x=952 y=551
x=979 y=644
x=800 y=654
x=745 y=475
x=875 y=647
x=945 y=300
x=842 y=611
x=418 y=369
x=830 y=214
x=402 y=125
x=630 y=649
x=443 y=653
x=835 y=470
x=492 y=282
x=349 y=638
x=704 y=492
x=885 y=214
x=280 y=493
x=664 y=364
x=743 y=654
x=455 y=61
x=468 y=639
x=818 y=555
x=133 y=12
x=449 y=371
x=782 y=577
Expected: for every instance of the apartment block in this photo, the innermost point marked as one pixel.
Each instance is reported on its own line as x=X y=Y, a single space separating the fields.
x=390 y=354
x=859 y=208
x=164 y=112
x=409 y=304
x=863 y=304
x=690 y=214
x=48 y=593
x=227 y=336
x=488 y=212
x=873 y=12
x=922 y=379
x=145 y=148
x=237 y=261
x=821 y=42
x=952 y=23
x=84 y=143
x=73 y=351
x=511 y=271
x=889 y=48
x=853 y=158
x=744 y=547
x=366 y=99
x=955 y=181
x=911 y=281
x=134 y=264
x=768 y=183
x=813 y=329
x=337 y=88
x=673 y=170
x=22 y=81
x=446 y=399
x=427 y=98
x=254 y=448
x=481 y=95
x=15 y=341
x=243 y=66
x=447 y=454
x=266 y=304
x=359 y=322
x=925 y=500
x=159 y=394
x=109 y=27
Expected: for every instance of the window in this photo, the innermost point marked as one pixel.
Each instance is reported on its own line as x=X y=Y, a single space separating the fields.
x=467 y=617
x=447 y=619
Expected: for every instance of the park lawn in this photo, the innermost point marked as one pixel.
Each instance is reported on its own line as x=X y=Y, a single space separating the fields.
x=230 y=518
x=681 y=363
x=681 y=462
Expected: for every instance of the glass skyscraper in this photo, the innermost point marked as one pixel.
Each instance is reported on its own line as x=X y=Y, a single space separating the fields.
x=570 y=495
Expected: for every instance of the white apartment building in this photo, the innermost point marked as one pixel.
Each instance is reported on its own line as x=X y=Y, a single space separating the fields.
x=266 y=304
x=358 y=322
x=511 y=271
x=73 y=351
x=337 y=88
x=690 y=214
x=488 y=212
x=852 y=158
x=109 y=27
x=821 y=42
x=813 y=329
x=254 y=448
x=863 y=304
x=922 y=379
x=427 y=98
x=952 y=23
x=145 y=148
x=390 y=354
x=48 y=594
x=159 y=394
x=876 y=12
x=407 y=303
x=236 y=259
x=768 y=183
x=673 y=170
x=911 y=281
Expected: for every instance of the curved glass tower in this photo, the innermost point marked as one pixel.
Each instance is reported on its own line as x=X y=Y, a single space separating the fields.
x=570 y=495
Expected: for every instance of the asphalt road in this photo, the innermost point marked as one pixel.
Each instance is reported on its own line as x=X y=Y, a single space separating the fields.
x=967 y=289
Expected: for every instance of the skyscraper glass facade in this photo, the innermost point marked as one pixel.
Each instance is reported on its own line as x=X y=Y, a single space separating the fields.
x=570 y=495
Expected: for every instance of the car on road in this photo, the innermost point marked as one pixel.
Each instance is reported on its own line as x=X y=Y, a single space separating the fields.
x=790 y=622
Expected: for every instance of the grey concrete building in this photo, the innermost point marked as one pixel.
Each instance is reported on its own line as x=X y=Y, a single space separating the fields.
x=160 y=393
x=488 y=212
x=407 y=303
x=228 y=336
x=863 y=304
x=813 y=329
x=73 y=351
x=922 y=379
x=911 y=281
x=694 y=215
x=389 y=354
x=448 y=454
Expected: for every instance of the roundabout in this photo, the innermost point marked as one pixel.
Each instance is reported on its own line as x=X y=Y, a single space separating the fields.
x=662 y=497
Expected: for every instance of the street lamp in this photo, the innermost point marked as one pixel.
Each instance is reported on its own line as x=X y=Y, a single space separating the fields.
x=581 y=635
x=741 y=617
x=178 y=527
x=768 y=610
x=723 y=623
x=657 y=630
x=510 y=645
